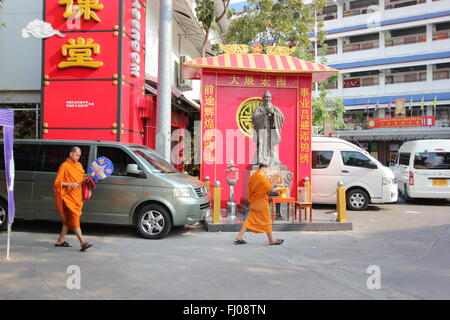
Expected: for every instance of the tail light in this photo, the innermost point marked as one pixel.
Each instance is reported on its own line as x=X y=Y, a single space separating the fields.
x=411 y=178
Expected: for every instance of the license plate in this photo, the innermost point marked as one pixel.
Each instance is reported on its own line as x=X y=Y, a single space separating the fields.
x=439 y=182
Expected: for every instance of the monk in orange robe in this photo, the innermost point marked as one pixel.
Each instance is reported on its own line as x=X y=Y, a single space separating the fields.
x=69 y=198
x=258 y=219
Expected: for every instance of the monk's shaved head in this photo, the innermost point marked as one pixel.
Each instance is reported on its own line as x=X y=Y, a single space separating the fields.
x=75 y=149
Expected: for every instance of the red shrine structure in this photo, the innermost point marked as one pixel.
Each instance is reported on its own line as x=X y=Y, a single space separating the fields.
x=232 y=87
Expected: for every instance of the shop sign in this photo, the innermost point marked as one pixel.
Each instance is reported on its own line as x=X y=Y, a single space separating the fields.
x=424 y=121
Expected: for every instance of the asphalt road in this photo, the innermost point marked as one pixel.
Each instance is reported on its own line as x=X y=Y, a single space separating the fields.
x=402 y=247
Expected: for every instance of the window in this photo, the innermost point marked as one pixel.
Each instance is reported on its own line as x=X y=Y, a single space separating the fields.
x=321 y=159
x=155 y=161
x=50 y=157
x=355 y=159
x=118 y=157
x=404 y=159
x=24 y=155
x=432 y=160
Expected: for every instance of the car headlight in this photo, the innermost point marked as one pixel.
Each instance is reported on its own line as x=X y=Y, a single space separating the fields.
x=183 y=192
x=388 y=181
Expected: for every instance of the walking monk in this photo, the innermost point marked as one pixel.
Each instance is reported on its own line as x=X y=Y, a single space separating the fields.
x=69 y=198
x=258 y=219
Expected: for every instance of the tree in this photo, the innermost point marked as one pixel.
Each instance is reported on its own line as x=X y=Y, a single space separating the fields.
x=206 y=14
x=1 y=7
x=288 y=23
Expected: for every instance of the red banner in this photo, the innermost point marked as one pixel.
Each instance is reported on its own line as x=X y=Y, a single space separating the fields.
x=424 y=121
x=90 y=82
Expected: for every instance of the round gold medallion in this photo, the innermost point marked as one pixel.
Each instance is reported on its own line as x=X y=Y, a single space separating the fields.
x=244 y=115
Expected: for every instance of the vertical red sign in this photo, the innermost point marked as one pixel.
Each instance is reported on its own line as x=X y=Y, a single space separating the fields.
x=89 y=91
x=304 y=121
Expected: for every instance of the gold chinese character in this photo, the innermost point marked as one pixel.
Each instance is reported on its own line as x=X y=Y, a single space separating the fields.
x=83 y=7
x=208 y=124
x=209 y=101
x=234 y=80
x=304 y=125
x=303 y=136
x=209 y=156
x=304 y=117
x=265 y=81
x=249 y=81
x=208 y=135
x=209 y=112
x=80 y=53
x=304 y=147
x=304 y=103
x=208 y=145
x=304 y=92
x=304 y=158
x=281 y=81
x=209 y=89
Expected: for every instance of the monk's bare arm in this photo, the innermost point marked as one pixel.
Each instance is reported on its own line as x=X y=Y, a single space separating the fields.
x=59 y=177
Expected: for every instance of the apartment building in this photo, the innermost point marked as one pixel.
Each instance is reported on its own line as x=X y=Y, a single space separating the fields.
x=390 y=53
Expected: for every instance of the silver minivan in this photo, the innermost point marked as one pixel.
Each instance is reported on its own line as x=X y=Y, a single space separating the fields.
x=144 y=190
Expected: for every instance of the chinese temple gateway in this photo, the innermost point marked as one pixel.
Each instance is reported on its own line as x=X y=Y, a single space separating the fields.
x=233 y=85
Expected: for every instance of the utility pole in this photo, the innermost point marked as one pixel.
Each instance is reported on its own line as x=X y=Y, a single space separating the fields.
x=164 y=105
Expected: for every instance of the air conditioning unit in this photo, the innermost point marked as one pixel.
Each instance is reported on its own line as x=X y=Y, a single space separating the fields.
x=182 y=84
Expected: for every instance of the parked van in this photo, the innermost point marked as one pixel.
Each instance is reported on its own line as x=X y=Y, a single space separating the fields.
x=144 y=190
x=365 y=179
x=422 y=169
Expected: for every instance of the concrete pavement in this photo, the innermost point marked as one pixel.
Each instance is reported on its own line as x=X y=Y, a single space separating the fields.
x=408 y=242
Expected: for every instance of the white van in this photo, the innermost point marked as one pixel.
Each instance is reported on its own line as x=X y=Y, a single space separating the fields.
x=422 y=169
x=365 y=179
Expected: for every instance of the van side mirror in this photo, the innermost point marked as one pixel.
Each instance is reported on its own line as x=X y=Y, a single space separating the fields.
x=133 y=168
x=372 y=165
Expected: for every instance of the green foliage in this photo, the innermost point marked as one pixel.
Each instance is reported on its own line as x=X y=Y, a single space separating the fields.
x=1 y=7
x=205 y=13
x=287 y=23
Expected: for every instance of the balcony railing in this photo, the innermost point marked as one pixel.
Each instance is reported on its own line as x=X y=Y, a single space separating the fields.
x=441 y=75
x=408 y=77
x=406 y=40
x=361 y=82
x=401 y=4
x=441 y=35
x=360 y=46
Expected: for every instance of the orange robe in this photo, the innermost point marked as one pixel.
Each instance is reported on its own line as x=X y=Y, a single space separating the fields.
x=258 y=219
x=69 y=201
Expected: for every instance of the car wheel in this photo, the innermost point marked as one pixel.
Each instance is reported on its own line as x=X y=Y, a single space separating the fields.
x=3 y=215
x=153 y=222
x=357 y=199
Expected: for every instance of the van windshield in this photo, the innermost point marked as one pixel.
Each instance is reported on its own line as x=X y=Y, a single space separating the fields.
x=156 y=161
x=432 y=160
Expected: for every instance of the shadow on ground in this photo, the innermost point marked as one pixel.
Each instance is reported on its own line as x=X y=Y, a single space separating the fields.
x=93 y=229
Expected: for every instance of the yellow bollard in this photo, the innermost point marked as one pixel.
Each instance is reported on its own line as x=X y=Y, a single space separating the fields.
x=340 y=203
x=217 y=194
x=207 y=184
x=307 y=185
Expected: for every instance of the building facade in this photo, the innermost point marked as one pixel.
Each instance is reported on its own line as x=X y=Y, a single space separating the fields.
x=22 y=70
x=394 y=58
